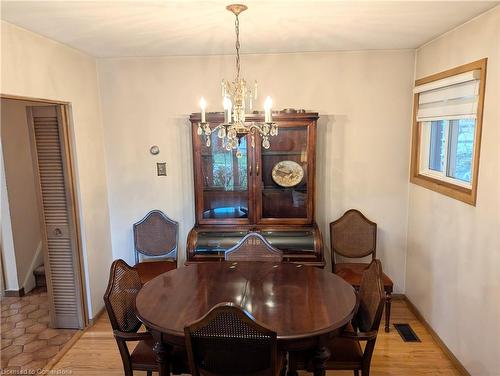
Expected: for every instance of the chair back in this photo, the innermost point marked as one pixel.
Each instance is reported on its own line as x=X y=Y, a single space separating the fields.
x=228 y=341
x=156 y=235
x=353 y=235
x=371 y=298
x=253 y=247
x=123 y=287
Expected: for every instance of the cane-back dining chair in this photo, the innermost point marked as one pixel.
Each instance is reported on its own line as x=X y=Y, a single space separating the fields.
x=345 y=350
x=355 y=236
x=124 y=284
x=253 y=247
x=228 y=341
x=156 y=239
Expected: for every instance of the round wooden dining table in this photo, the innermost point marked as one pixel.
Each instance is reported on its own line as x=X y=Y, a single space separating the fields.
x=304 y=305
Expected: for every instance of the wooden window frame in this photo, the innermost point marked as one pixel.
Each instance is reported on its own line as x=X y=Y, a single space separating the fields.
x=456 y=191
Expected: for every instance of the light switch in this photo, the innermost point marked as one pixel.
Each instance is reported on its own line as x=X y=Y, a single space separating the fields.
x=161 y=168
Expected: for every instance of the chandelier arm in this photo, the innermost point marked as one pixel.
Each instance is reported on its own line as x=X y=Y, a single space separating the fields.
x=258 y=128
x=217 y=127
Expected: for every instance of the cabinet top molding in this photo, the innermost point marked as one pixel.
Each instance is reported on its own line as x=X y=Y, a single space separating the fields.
x=259 y=116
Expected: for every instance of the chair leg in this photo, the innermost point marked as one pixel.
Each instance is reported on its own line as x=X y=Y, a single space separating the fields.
x=284 y=366
x=292 y=366
x=356 y=372
x=388 y=298
x=128 y=371
x=149 y=373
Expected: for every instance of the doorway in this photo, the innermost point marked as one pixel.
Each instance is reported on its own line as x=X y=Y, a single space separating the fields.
x=40 y=195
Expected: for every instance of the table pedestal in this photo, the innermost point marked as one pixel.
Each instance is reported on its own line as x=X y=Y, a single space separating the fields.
x=321 y=356
x=162 y=352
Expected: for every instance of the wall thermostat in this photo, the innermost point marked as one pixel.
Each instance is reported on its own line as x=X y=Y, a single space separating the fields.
x=154 y=150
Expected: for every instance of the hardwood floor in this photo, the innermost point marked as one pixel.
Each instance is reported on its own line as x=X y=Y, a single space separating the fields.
x=95 y=353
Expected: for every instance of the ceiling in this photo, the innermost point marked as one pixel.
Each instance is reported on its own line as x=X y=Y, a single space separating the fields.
x=162 y=28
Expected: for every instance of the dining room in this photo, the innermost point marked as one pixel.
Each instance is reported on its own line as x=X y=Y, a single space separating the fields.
x=260 y=188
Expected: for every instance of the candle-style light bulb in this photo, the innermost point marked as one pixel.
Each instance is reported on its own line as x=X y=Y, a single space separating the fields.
x=268 y=104
x=227 y=109
x=223 y=87
x=203 y=106
x=227 y=103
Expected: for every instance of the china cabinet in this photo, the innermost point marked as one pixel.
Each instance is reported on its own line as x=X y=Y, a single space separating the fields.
x=252 y=188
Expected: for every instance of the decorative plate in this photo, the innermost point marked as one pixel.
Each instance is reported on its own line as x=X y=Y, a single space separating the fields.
x=287 y=173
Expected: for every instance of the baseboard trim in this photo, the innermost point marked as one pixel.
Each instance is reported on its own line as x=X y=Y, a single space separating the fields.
x=93 y=320
x=29 y=280
x=14 y=293
x=398 y=296
x=461 y=369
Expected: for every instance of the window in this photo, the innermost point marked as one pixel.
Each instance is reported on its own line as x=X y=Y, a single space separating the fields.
x=447 y=131
x=447 y=148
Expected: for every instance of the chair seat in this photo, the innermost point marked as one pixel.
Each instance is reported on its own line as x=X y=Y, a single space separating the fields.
x=345 y=353
x=150 y=269
x=143 y=357
x=352 y=273
x=344 y=350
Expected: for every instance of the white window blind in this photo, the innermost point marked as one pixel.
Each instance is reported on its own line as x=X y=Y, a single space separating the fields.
x=454 y=97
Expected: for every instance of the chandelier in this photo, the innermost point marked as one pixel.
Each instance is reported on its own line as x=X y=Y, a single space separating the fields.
x=237 y=97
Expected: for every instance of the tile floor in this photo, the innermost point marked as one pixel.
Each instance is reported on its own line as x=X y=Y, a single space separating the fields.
x=27 y=341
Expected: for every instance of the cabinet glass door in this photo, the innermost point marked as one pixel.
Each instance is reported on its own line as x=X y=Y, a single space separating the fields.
x=225 y=181
x=284 y=188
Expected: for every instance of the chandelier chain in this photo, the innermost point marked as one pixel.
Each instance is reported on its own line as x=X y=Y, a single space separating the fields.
x=237 y=29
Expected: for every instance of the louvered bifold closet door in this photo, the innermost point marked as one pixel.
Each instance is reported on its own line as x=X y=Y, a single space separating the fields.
x=61 y=262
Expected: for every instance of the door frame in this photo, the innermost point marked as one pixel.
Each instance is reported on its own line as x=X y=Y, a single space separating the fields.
x=69 y=154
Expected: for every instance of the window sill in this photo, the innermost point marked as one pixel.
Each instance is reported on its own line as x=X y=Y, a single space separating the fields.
x=456 y=192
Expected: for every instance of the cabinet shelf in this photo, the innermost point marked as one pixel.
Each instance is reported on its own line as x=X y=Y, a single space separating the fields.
x=284 y=189
x=227 y=212
x=280 y=153
x=264 y=154
x=208 y=155
x=222 y=190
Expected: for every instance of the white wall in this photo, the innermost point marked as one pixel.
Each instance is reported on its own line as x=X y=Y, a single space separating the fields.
x=365 y=106
x=453 y=265
x=34 y=66
x=8 y=255
x=22 y=194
